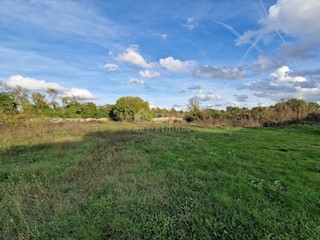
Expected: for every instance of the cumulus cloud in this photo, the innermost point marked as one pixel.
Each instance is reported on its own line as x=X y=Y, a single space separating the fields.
x=79 y=93
x=224 y=73
x=149 y=74
x=206 y=96
x=281 y=75
x=111 y=67
x=296 y=18
x=282 y=84
x=241 y=97
x=176 y=65
x=132 y=56
x=137 y=82
x=292 y=17
x=31 y=83
x=34 y=84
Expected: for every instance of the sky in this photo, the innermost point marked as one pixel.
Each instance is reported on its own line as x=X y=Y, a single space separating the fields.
x=223 y=53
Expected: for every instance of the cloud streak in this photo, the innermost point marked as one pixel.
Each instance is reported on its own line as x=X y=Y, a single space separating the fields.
x=222 y=73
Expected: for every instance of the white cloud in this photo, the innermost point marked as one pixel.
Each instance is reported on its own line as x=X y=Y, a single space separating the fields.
x=133 y=56
x=206 y=96
x=191 y=24
x=149 y=74
x=233 y=103
x=176 y=65
x=213 y=72
x=282 y=75
x=31 y=83
x=137 y=82
x=292 y=17
x=79 y=93
x=296 y=18
x=281 y=84
x=178 y=107
x=111 y=67
x=34 y=84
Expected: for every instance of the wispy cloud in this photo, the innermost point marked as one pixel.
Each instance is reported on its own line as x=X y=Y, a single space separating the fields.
x=149 y=74
x=191 y=23
x=224 y=73
x=241 y=97
x=111 y=67
x=137 y=83
x=206 y=96
x=60 y=17
x=194 y=87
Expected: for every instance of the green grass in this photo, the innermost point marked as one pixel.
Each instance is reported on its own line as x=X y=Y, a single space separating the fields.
x=107 y=181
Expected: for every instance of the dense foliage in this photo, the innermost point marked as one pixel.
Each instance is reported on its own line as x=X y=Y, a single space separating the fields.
x=289 y=111
x=19 y=103
x=131 y=109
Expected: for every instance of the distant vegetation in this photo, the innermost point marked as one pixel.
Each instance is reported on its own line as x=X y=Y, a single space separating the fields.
x=284 y=112
x=19 y=104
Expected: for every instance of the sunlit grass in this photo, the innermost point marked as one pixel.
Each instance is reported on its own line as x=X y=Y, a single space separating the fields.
x=137 y=181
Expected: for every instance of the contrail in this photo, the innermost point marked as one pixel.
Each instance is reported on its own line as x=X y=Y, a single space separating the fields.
x=277 y=31
x=231 y=29
x=237 y=34
x=253 y=45
x=266 y=13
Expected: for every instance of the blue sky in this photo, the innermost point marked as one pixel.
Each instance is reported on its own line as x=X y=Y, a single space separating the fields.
x=224 y=53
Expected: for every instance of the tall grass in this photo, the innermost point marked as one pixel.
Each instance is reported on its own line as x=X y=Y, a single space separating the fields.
x=135 y=181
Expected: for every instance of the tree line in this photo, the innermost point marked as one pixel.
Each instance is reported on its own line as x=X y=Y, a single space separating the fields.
x=19 y=103
x=284 y=112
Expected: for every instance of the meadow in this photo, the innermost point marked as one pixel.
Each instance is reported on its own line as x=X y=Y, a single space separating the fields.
x=116 y=180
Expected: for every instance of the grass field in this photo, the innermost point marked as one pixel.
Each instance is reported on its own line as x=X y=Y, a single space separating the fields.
x=124 y=181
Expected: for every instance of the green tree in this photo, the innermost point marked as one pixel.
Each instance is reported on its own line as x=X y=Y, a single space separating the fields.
x=7 y=103
x=40 y=103
x=194 y=113
x=104 y=111
x=88 y=110
x=72 y=107
x=131 y=109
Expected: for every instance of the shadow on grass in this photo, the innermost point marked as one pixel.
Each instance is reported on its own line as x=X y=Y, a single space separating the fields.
x=157 y=183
